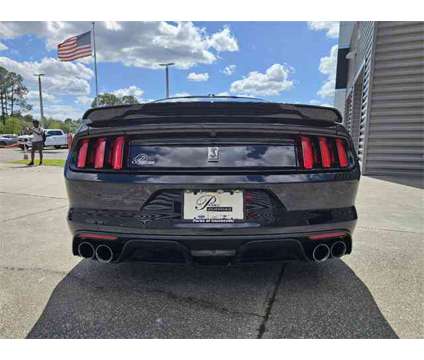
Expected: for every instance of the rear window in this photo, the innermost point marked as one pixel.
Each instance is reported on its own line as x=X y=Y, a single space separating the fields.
x=54 y=132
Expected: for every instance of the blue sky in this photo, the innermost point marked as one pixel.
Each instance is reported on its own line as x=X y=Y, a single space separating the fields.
x=279 y=61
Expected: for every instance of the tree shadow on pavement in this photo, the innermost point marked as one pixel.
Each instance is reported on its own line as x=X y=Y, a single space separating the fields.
x=149 y=301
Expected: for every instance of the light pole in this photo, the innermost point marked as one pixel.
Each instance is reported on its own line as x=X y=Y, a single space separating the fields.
x=40 y=93
x=167 y=76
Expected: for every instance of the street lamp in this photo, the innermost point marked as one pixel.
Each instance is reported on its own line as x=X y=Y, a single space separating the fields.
x=40 y=93
x=167 y=76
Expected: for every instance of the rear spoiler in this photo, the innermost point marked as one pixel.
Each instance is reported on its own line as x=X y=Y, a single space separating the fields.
x=210 y=111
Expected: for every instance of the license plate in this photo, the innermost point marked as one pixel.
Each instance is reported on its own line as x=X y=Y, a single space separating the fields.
x=213 y=207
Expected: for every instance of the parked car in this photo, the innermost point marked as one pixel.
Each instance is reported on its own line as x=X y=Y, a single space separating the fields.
x=223 y=179
x=8 y=139
x=54 y=137
x=24 y=140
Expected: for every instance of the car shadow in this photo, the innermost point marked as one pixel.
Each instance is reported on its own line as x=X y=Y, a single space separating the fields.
x=150 y=301
x=325 y=300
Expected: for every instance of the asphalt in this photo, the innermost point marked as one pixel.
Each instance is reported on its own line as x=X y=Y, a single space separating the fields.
x=45 y=292
x=18 y=154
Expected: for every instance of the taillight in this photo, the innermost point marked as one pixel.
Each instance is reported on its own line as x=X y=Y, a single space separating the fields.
x=320 y=152
x=82 y=154
x=341 y=152
x=99 y=155
x=307 y=152
x=118 y=153
x=325 y=153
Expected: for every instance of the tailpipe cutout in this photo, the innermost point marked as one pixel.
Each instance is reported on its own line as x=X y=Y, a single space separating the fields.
x=104 y=254
x=338 y=249
x=321 y=253
x=86 y=250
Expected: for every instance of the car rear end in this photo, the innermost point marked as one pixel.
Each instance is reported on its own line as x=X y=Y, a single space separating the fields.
x=25 y=141
x=231 y=181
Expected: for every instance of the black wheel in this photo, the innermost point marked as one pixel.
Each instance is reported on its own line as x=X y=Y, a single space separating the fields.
x=57 y=146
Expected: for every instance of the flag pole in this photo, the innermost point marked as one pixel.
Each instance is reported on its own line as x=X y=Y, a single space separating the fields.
x=93 y=33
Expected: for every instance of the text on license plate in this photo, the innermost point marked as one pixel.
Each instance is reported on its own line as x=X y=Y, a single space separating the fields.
x=213 y=207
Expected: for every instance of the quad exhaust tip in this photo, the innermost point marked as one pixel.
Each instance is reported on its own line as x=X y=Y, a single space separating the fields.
x=338 y=249
x=86 y=250
x=104 y=254
x=321 y=253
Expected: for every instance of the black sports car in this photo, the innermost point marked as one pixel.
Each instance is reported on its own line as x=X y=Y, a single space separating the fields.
x=221 y=179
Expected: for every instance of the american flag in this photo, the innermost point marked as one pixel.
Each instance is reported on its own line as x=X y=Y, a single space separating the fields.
x=75 y=47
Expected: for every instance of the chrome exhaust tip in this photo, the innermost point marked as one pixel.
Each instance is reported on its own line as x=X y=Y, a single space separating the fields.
x=86 y=250
x=321 y=253
x=104 y=254
x=338 y=249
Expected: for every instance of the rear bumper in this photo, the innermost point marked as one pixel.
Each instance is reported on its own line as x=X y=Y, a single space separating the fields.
x=109 y=203
x=215 y=248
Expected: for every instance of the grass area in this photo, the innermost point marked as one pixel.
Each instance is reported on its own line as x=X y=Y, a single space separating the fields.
x=46 y=162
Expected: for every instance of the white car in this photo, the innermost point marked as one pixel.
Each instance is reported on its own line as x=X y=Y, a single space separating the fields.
x=54 y=137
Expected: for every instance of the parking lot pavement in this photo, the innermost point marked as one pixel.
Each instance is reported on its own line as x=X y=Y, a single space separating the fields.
x=46 y=292
x=11 y=154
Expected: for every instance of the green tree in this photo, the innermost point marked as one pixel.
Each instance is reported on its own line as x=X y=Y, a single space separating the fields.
x=109 y=99
x=13 y=125
x=12 y=94
x=3 y=76
x=106 y=99
x=129 y=99
x=16 y=94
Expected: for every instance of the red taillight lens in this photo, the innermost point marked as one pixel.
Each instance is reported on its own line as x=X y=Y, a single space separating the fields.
x=97 y=236
x=118 y=153
x=325 y=152
x=331 y=235
x=82 y=154
x=341 y=153
x=307 y=152
x=99 y=156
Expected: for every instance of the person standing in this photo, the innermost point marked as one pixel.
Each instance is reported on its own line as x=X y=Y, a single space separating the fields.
x=37 y=141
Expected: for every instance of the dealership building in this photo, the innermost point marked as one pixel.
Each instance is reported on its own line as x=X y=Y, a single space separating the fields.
x=380 y=93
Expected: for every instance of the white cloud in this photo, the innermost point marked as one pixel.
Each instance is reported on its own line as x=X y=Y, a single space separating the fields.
x=58 y=111
x=198 y=76
x=327 y=66
x=331 y=27
x=3 y=47
x=229 y=70
x=61 y=78
x=33 y=96
x=274 y=81
x=224 y=41
x=62 y=112
x=129 y=91
x=141 y=44
x=319 y=103
x=84 y=100
x=223 y=93
x=181 y=94
x=113 y=25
